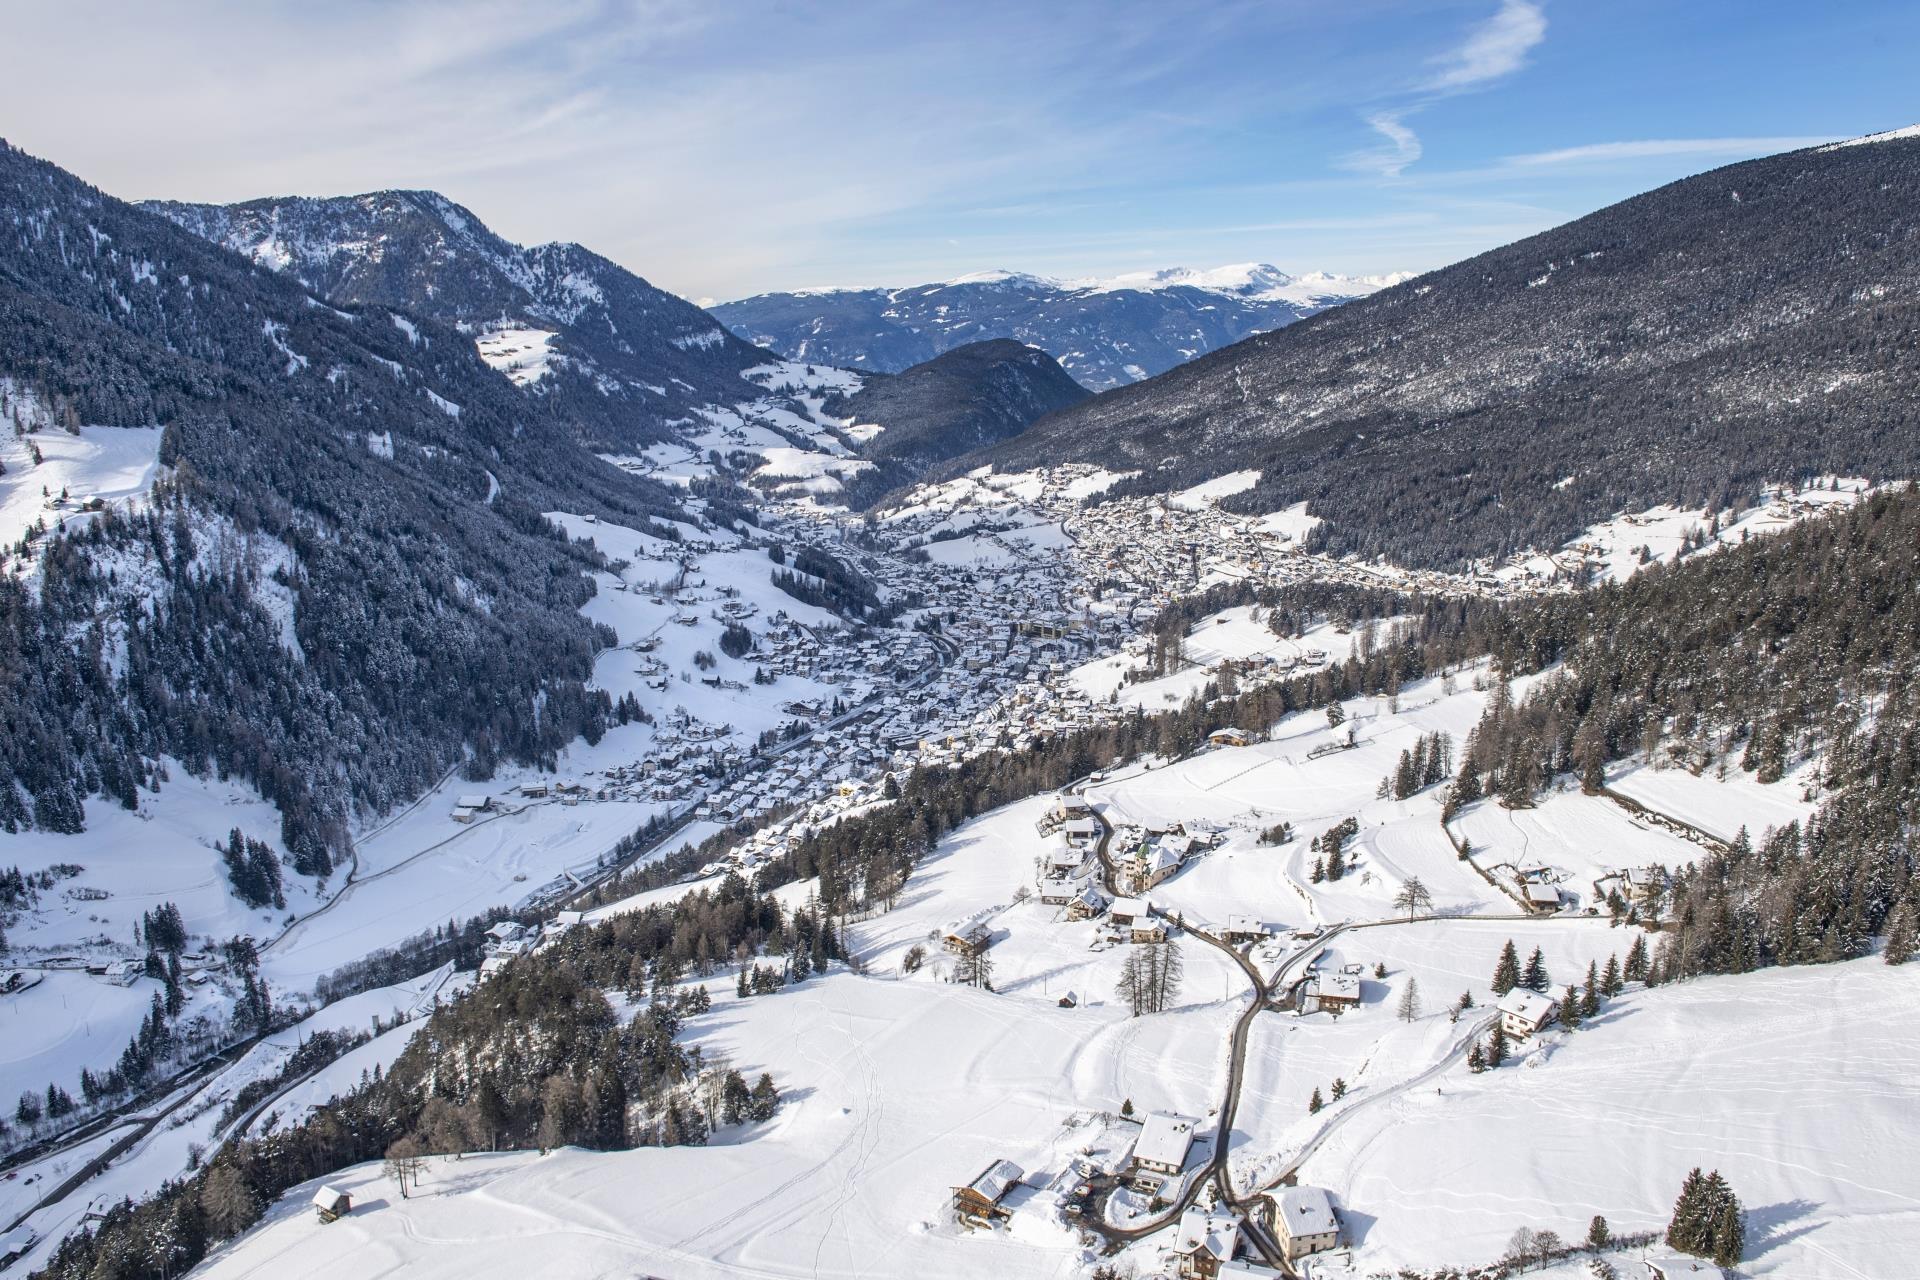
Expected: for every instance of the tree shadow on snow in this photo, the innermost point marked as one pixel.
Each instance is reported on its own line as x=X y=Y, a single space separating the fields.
x=1767 y=1225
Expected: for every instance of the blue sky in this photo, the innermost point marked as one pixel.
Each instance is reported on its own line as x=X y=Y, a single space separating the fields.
x=723 y=148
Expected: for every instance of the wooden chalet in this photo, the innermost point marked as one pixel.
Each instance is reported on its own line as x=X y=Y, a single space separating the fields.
x=982 y=1201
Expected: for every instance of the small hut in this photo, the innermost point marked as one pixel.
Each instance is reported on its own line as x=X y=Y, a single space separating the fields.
x=332 y=1203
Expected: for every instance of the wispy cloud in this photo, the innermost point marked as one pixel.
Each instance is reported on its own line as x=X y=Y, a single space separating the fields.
x=1494 y=49
x=1497 y=47
x=1402 y=146
x=1644 y=148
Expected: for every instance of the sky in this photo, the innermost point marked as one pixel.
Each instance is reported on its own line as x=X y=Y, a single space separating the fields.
x=727 y=147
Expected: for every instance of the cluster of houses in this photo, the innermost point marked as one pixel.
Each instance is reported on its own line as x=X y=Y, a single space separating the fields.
x=1207 y=1243
x=510 y=938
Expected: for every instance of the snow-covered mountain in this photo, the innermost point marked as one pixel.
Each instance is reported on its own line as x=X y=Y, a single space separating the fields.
x=1106 y=332
x=623 y=357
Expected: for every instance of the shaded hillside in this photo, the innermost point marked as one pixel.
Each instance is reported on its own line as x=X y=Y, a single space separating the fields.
x=343 y=585
x=1749 y=324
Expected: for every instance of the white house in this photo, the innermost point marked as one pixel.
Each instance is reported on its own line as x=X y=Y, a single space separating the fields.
x=1306 y=1222
x=1163 y=1142
x=1524 y=1012
x=1204 y=1242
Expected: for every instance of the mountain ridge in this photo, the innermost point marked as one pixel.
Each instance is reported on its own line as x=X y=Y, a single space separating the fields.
x=624 y=358
x=1105 y=332
x=1685 y=345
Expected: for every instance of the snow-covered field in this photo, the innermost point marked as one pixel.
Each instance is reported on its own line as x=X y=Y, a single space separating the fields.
x=897 y=1091
x=1619 y=547
x=1571 y=842
x=112 y=464
x=1797 y=1084
x=1232 y=635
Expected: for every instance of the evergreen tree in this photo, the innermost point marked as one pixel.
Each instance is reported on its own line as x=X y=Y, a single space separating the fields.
x=1476 y=1059
x=1497 y=1045
x=766 y=1098
x=1900 y=934
x=1729 y=1233
x=1570 y=1009
x=1636 y=970
x=1315 y=1102
x=1599 y=1235
x=1506 y=974
x=1611 y=983
x=1687 y=1228
x=1534 y=977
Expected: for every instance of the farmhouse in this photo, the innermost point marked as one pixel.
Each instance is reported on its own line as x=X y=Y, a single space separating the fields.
x=1542 y=897
x=1523 y=1012
x=1229 y=737
x=1306 y=1222
x=1086 y=904
x=1243 y=928
x=332 y=1203
x=1146 y=929
x=1163 y=1143
x=1126 y=910
x=1334 y=992
x=968 y=937
x=980 y=1202
x=1205 y=1241
x=1081 y=831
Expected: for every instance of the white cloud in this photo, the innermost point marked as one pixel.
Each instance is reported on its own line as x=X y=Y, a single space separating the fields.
x=1642 y=148
x=1402 y=147
x=1498 y=47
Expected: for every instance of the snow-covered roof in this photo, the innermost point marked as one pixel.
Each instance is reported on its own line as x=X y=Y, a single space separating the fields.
x=1216 y=1234
x=971 y=925
x=1341 y=986
x=997 y=1179
x=1091 y=896
x=1241 y=923
x=1531 y=1005
x=1132 y=906
x=328 y=1196
x=1164 y=1139
x=1307 y=1211
x=471 y=800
